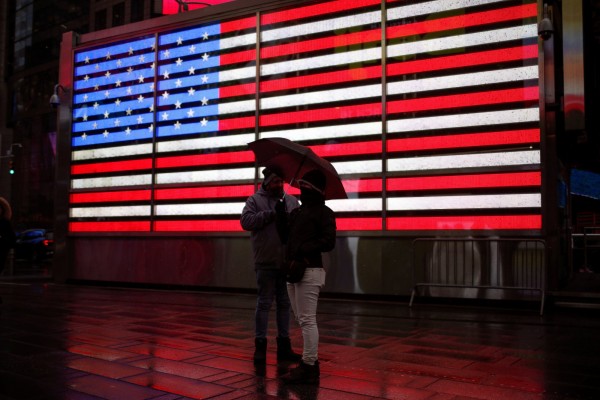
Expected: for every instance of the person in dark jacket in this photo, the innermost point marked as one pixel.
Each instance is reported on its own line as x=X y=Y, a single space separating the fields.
x=258 y=217
x=308 y=231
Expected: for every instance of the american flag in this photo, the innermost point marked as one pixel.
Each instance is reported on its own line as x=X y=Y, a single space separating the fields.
x=446 y=139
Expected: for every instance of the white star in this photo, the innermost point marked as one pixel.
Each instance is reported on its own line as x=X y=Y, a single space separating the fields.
x=151 y=127
x=178 y=83
x=204 y=78
x=140 y=119
x=203 y=122
x=192 y=49
x=106 y=114
x=152 y=87
x=86 y=78
x=105 y=133
x=128 y=131
x=95 y=125
x=153 y=45
x=129 y=70
x=204 y=57
x=106 y=93
x=118 y=102
x=179 y=61
x=151 y=108
x=190 y=113
x=85 y=97
x=142 y=59
x=119 y=63
x=165 y=95
x=166 y=75
x=205 y=36
x=179 y=41
x=107 y=74
x=87 y=61
x=117 y=122
x=129 y=111
x=204 y=101
x=96 y=87
x=108 y=55
x=118 y=83
x=152 y=66
x=96 y=105
x=165 y=116
x=84 y=136
x=177 y=125
x=191 y=91
x=85 y=117
x=140 y=99
x=130 y=50
x=141 y=78
x=192 y=71
x=129 y=91
x=166 y=54
x=177 y=104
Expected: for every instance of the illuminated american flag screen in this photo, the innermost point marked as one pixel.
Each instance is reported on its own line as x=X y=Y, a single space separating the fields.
x=436 y=130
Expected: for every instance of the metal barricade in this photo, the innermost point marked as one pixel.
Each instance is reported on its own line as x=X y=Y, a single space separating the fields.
x=472 y=264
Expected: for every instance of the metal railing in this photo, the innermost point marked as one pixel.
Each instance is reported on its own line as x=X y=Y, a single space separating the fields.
x=487 y=263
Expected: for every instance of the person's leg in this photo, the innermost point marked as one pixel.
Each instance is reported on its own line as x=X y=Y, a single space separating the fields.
x=307 y=294
x=266 y=293
x=284 y=345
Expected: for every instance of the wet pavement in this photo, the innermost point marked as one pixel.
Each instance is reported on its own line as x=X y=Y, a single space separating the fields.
x=88 y=342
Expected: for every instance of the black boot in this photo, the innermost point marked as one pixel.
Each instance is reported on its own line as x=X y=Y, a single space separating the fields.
x=260 y=350
x=284 y=350
x=303 y=373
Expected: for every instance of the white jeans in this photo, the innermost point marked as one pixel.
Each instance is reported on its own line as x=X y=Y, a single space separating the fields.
x=304 y=296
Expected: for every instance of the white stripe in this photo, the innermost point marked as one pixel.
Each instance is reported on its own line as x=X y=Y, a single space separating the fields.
x=111 y=181
x=434 y=7
x=464 y=120
x=206 y=176
x=356 y=92
x=358 y=167
x=462 y=41
x=205 y=143
x=354 y=205
x=121 y=211
x=464 y=80
x=327 y=132
x=237 y=74
x=136 y=149
x=528 y=200
x=321 y=26
x=237 y=106
x=531 y=157
x=200 y=209
x=237 y=41
x=348 y=57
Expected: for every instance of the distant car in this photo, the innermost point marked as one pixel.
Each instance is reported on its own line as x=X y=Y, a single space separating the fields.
x=34 y=244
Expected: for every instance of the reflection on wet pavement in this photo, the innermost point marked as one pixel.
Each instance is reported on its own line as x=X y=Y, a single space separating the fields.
x=86 y=342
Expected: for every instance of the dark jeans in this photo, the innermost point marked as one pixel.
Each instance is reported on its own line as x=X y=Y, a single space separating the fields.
x=272 y=286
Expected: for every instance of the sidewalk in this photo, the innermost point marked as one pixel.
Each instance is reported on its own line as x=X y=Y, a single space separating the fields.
x=84 y=342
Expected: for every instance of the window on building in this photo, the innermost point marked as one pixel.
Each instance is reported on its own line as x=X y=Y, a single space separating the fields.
x=118 y=14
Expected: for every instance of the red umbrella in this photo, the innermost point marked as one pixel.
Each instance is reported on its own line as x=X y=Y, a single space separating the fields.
x=294 y=160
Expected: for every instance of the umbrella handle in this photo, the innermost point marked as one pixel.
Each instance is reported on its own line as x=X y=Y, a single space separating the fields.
x=298 y=170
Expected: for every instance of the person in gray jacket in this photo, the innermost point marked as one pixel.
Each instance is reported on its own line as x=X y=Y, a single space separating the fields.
x=258 y=217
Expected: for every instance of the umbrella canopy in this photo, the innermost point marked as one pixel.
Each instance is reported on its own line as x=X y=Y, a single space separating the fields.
x=294 y=160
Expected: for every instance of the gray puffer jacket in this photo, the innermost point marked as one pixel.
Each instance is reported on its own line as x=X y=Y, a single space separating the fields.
x=258 y=217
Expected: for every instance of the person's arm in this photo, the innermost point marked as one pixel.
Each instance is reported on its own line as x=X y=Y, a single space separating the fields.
x=325 y=241
x=253 y=219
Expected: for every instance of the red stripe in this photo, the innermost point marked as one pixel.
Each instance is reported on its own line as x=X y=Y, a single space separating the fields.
x=351 y=186
x=210 y=192
x=464 y=140
x=100 y=197
x=198 y=226
x=463 y=21
x=236 y=123
x=238 y=24
x=327 y=78
x=115 y=226
x=490 y=222
x=329 y=42
x=324 y=114
x=237 y=90
x=464 y=100
x=233 y=157
x=237 y=57
x=359 y=224
x=517 y=179
x=463 y=60
x=347 y=149
x=311 y=11
x=114 y=166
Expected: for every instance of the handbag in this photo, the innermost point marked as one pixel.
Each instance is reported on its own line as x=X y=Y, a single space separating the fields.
x=294 y=270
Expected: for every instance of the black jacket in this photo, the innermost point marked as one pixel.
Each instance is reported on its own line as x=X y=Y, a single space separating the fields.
x=308 y=231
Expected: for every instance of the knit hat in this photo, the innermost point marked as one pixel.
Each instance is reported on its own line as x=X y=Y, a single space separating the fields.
x=270 y=174
x=316 y=179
